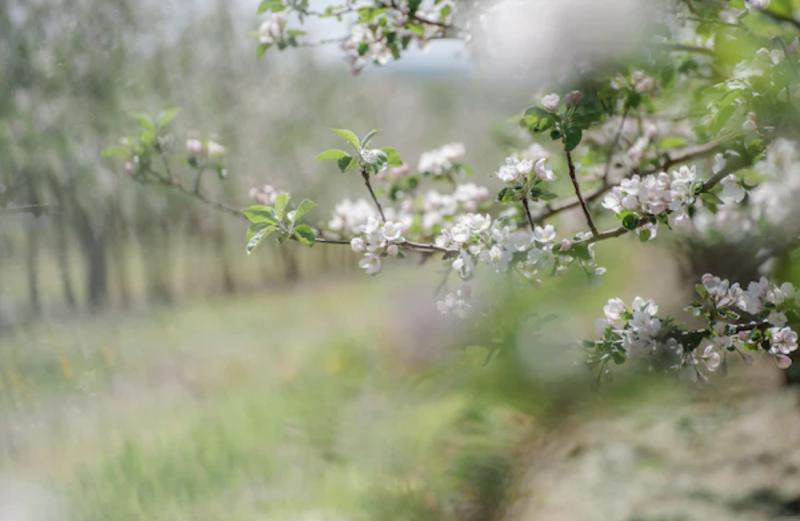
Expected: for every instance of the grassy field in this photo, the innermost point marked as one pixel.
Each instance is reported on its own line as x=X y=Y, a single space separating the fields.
x=322 y=402
x=332 y=400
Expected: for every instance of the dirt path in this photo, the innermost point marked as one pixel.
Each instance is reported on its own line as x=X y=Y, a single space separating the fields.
x=719 y=458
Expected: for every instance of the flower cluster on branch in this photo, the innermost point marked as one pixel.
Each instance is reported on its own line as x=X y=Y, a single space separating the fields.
x=736 y=321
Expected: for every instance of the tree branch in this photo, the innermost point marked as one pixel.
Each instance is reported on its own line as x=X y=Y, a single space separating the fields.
x=527 y=210
x=365 y=175
x=577 y=189
x=174 y=183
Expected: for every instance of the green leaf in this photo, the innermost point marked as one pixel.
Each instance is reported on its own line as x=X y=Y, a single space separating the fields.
x=262 y=49
x=145 y=122
x=166 y=117
x=393 y=156
x=630 y=221
x=275 y=6
x=332 y=154
x=305 y=234
x=281 y=202
x=580 y=250
x=349 y=136
x=711 y=198
x=119 y=151
x=345 y=163
x=371 y=134
x=572 y=138
x=417 y=29
x=507 y=195
x=305 y=206
x=256 y=233
x=259 y=213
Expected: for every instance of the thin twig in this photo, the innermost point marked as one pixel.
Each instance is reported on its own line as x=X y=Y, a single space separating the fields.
x=174 y=183
x=365 y=175
x=680 y=47
x=708 y=185
x=670 y=159
x=781 y=17
x=577 y=188
x=527 y=209
x=30 y=208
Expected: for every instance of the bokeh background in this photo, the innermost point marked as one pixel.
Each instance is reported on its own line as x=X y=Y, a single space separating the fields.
x=149 y=369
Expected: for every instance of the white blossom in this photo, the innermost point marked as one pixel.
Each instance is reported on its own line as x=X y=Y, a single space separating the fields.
x=265 y=195
x=215 y=149
x=546 y=234
x=732 y=191
x=543 y=172
x=442 y=160
x=195 y=147
x=455 y=303
x=370 y=263
x=614 y=309
x=551 y=101
x=514 y=169
x=271 y=30
x=783 y=340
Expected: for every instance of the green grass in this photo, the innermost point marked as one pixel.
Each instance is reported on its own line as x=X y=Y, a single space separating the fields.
x=289 y=404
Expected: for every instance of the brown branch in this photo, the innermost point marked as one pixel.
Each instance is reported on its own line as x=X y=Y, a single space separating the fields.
x=680 y=47
x=365 y=175
x=708 y=185
x=527 y=209
x=577 y=189
x=778 y=17
x=670 y=159
x=30 y=208
x=174 y=183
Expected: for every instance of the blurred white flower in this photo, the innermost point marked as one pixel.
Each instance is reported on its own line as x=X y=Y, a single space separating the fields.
x=551 y=101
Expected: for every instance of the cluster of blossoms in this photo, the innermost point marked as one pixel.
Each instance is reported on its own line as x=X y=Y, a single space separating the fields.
x=475 y=238
x=769 y=206
x=738 y=320
x=382 y=37
x=366 y=43
x=266 y=195
x=204 y=149
x=456 y=302
x=655 y=195
x=375 y=240
x=272 y=30
x=638 y=81
x=349 y=217
x=439 y=208
x=443 y=161
x=515 y=170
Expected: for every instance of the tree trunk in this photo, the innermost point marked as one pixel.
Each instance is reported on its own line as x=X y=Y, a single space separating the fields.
x=119 y=243
x=226 y=272
x=62 y=259
x=156 y=243
x=93 y=245
x=32 y=268
x=32 y=240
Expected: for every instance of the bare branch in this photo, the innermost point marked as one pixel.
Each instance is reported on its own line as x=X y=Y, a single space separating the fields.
x=365 y=175
x=577 y=189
